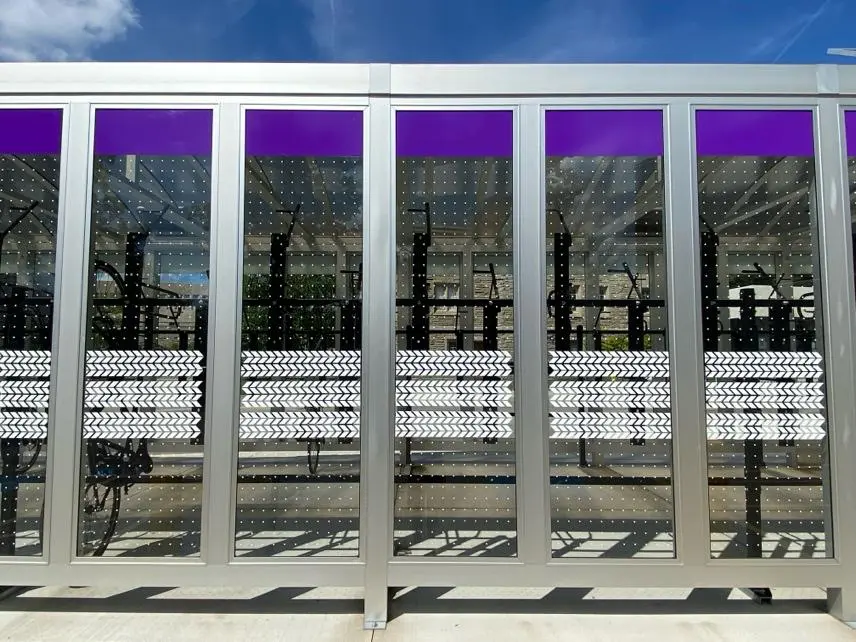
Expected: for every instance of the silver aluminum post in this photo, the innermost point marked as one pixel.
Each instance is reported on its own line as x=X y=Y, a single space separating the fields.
x=378 y=382
x=69 y=340
x=224 y=340
x=839 y=312
x=683 y=269
x=531 y=430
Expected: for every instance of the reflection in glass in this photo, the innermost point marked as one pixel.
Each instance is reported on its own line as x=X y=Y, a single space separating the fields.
x=144 y=393
x=454 y=447
x=610 y=409
x=764 y=383
x=301 y=333
x=29 y=196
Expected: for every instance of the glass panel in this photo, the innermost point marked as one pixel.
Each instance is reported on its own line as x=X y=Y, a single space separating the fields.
x=144 y=391
x=299 y=457
x=454 y=446
x=29 y=196
x=610 y=408
x=764 y=372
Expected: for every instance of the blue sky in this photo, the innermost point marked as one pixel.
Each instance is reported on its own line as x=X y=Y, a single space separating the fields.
x=733 y=31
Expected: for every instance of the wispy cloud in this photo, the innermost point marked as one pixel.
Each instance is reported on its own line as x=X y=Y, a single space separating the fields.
x=61 y=29
x=809 y=21
x=579 y=31
x=787 y=33
x=335 y=28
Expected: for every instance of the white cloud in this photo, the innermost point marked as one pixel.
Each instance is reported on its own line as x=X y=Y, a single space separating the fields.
x=324 y=25
x=807 y=22
x=785 y=34
x=578 y=31
x=61 y=29
x=339 y=29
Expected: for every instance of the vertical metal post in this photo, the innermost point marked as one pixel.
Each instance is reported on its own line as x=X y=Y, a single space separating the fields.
x=10 y=449
x=562 y=289
x=530 y=338
x=378 y=381
x=418 y=337
x=839 y=322
x=465 y=316
x=223 y=344
x=279 y=326
x=692 y=521
x=636 y=325
x=747 y=340
x=135 y=244
x=490 y=326
x=200 y=344
x=69 y=341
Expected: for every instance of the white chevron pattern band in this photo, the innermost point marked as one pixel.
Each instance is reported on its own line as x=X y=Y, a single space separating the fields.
x=454 y=394
x=24 y=393
x=312 y=394
x=765 y=395
x=610 y=395
x=153 y=394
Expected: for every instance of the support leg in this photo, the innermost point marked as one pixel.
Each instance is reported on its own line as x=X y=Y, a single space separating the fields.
x=841 y=603
x=374 y=621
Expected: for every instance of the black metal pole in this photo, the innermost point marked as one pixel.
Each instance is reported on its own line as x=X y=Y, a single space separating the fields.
x=562 y=275
x=10 y=449
x=200 y=343
x=753 y=449
x=709 y=286
x=279 y=313
x=135 y=244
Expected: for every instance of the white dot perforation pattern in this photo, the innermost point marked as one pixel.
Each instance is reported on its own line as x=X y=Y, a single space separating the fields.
x=764 y=370
x=301 y=363
x=145 y=370
x=455 y=447
x=29 y=197
x=608 y=369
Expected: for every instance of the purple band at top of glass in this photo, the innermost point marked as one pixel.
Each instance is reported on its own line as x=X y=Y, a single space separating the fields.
x=454 y=133
x=30 y=131
x=754 y=133
x=304 y=133
x=604 y=132
x=850 y=132
x=153 y=132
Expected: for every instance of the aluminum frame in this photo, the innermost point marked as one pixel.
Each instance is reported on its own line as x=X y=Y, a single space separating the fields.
x=229 y=89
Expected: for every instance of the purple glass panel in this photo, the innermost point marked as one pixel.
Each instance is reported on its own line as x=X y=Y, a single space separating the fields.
x=30 y=131
x=304 y=133
x=604 y=133
x=153 y=132
x=754 y=133
x=850 y=132
x=454 y=133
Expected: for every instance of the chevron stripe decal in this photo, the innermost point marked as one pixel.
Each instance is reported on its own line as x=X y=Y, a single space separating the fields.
x=24 y=393
x=454 y=394
x=765 y=395
x=610 y=395
x=137 y=394
x=312 y=394
x=467 y=364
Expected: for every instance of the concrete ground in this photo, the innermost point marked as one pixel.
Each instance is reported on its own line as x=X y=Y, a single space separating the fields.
x=416 y=615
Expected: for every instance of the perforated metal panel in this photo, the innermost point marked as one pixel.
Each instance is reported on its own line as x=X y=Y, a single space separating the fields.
x=29 y=200
x=608 y=360
x=454 y=428
x=764 y=370
x=147 y=331
x=299 y=458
